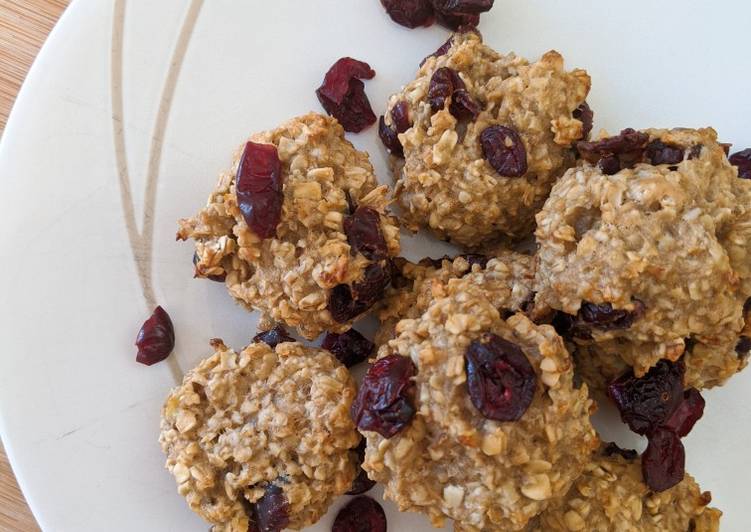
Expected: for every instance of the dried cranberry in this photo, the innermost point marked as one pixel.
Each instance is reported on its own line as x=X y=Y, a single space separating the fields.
x=663 y=462
x=742 y=160
x=463 y=107
x=695 y=151
x=351 y=203
x=217 y=278
x=259 y=188
x=385 y=400
x=442 y=50
x=604 y=317
x=389 y=138
x=342 y=94
x=660 y=153
x=586 y=116
x=346 y=303
x=646 y=403
x=273 y=337
x=362 y=482
x=500 y=379
x=409 y=13
x=743 y=347
x=609 y=165
x=462 y=6
x=400 y=116
x=504 y=149
x=689 y=411
x=473 y=258
x=628 y=147
x=156 y=339
x=363 y=230
x=443 y=82
x=612 y=448
x=272 y=510
x=350 y=348
x=362 y=514
x=457 y=22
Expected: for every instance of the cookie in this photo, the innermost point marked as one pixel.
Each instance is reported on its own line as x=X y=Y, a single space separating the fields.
x=263 y=435
x=325 y=263
x=446 y=439
x=479 y=138
x=646 y=250
x=611 y=496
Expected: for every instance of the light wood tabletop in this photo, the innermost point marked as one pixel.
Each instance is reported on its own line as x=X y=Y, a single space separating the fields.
x=24 y=25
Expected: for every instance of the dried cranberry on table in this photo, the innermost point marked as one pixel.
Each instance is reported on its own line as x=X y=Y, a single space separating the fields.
x=362 y=514
x=350 y=347
x=274 y=336
x=409 y=13
x=458 y=14
x=645 y=403
x=364 y=235
x=156 y=338
x=742 y=160
x=385 y=400
x=362 y=482
x=259 y=188
x=663 y=463
x=500 y=379
x=342 y=94
x=504 y=150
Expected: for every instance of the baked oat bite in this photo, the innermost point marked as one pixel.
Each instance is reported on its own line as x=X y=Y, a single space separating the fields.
x=648 y=242
x=473 y=417
x=507 y=279
x=321 y=262
x=263 y=435
x=478 y=138
x=610 y=496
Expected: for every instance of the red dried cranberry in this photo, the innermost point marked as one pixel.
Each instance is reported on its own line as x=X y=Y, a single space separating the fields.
x=504 y=150
x=457 y=22
x=362 y=482
x=346 y=303
x=350 y=348
x=443 y=83
x=462 y=6
x=363 y=230
x=156 y=339
x=500 y=379
x=342 y=94
x=400 y=116
x=385 y=400
x=660 y=153
x=409 y=13
x=463 y=107
x=351 y=203
x=689 y=411
x=609 y=165
x=604 y=317
x=742 y=160
x=442 y=50
x=569 y=326
x=743 y=347
x=663 y=462
x=272 y=510
x=586 y=116
x=646 y=403
x=259 y=188
x=273 y=337
x=612 y=448
x=628 y=147
x=216 y=278
x=362 y=514
x=389 y=138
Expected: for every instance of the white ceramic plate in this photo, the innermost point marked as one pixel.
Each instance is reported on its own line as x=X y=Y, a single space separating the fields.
x=153 y=97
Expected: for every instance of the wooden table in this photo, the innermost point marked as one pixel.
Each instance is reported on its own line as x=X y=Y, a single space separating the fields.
x=24 y=24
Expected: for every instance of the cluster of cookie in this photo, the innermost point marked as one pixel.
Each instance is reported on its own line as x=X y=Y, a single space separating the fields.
x=474 y=409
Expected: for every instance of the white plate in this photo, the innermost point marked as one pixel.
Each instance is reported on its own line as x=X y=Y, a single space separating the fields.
x=162 y=92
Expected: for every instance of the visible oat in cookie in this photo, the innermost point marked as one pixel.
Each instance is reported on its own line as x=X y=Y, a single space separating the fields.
x=309 y=275
x=262 y=436
x=611 y=497
x=487 y=137
x=507 y=280
x=647 y=249
x=451 y=460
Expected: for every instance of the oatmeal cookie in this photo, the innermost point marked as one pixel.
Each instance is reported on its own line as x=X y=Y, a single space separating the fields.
x=611 y=497
x=325 y=263
x=491 y=428
x=651 y=246
x=264 y=434
x=483 y=136
x=507 y=279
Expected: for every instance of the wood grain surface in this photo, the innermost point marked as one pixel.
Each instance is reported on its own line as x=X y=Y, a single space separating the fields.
x=24 y=25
